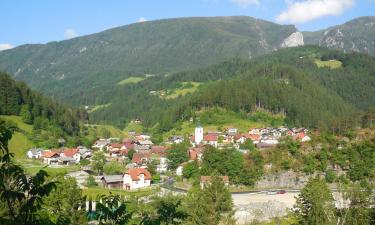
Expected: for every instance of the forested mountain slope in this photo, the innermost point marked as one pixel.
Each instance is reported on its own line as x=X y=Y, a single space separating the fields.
x=42 y=112
x=155 y=47
x=300 y=82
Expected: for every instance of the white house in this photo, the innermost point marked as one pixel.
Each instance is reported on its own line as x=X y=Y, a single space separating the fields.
x=136 y=178
x=34 y=153
x=179 y=170
x=162 y=167
x=198 y=135
x=50 y=157
x=71 y=153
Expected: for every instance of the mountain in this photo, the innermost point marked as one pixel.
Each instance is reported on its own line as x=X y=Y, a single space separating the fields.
x=78 y=65
x=312 y=86
x=356 y=35
x=42 y=112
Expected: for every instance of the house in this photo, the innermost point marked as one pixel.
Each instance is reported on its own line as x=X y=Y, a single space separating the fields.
x=66 y=161
x=50 y=157
x=84 y=152
x=136 y=178
x=71 y=153
x=100 y=144
x=241 y=138
x=34 y=153
x=179 y=170
x=141 y=158
x=113 y=181
x=143 y=145
x=255 y=131
x=211 y=139
x=232 y=131
x=176 y=139
x=162 y=167
x=206 y=180
x=196 y=153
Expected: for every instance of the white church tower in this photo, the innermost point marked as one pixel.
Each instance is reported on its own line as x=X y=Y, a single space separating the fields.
x=198 y=135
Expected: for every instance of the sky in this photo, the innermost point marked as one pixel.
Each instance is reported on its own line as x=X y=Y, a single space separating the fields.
x=42 y=21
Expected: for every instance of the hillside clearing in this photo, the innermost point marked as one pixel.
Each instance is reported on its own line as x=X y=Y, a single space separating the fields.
x=97 y=107
x=131 y=80
x=333 y=64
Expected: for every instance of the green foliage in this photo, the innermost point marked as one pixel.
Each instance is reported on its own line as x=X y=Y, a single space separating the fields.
x=112 y=210
x=210 y=205
x=131 y=153
x=315 y=204
x=177 y=155
x=90 y=182
x=62 y=205
x=248 y=144
x=112 y=168
x=98 y=161
x=191 y=170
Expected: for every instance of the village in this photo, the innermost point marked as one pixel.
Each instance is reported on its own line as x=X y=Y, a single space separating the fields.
x=137 y=152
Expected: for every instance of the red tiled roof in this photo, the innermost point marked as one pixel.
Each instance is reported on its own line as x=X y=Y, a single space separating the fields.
x=70 y=152
x=116 y=145
x=193 y=152
x=208 y=178
x=210 y=137
x=129 y=145
x=49 y=154
x=137 y=157
x=136 y=172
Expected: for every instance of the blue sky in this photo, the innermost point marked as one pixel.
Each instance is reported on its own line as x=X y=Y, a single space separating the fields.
x=41 y=21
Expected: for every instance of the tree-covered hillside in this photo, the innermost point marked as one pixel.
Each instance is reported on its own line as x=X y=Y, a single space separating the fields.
x=291 y=81
x=155 y=47
x=47 y=117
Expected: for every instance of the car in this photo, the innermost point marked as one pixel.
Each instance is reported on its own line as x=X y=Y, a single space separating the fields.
x=281 y=192
x=271 y=192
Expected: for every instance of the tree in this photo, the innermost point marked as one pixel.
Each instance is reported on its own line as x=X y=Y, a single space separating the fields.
x=90 y=182
x=248 y=144
x=315 y=204
x=98 y=161
x=177 y=155
x=190 y=170
x=113 y=168
x=23 y=195
x=63 y=204
x=131 y=153
x=112 y=211
x=26 y=115
x=210 y=205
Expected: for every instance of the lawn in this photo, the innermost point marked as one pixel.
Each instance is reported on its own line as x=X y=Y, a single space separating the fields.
x=333 y=64
x=131 y=80
x=19 y=144
x=52 y=171
x=93 y=192
x=114 y=131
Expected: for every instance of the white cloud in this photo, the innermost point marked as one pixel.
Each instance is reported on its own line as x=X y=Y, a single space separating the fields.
x=307 y=10
x=70 y=33
x=245 y=3
x=141 y=20
x=5 y=46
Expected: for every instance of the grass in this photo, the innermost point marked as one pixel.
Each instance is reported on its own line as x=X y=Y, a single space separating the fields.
x=97 y=107
x=213 y=120
x=114 y=131
x=133 y=127
x=52 y=171
x=20 y=143
x=131 y=80
x=332 y=64
x=93 y=192
x=186 y=88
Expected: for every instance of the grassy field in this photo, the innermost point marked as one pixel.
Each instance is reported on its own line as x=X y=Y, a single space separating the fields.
x=133 y=127
x=131 y=80
x=186 y=88
x=52 y=171
x=113 y=131
x=97 y=107
x=215 y=120
x=93 y=192
x=333 y=64
x=19 y=144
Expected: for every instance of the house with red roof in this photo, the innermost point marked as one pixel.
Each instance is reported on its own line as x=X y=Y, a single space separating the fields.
x=211 y=139
x=50 y=157
x=136 y=178
x=196 y=153
x=71 y=153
